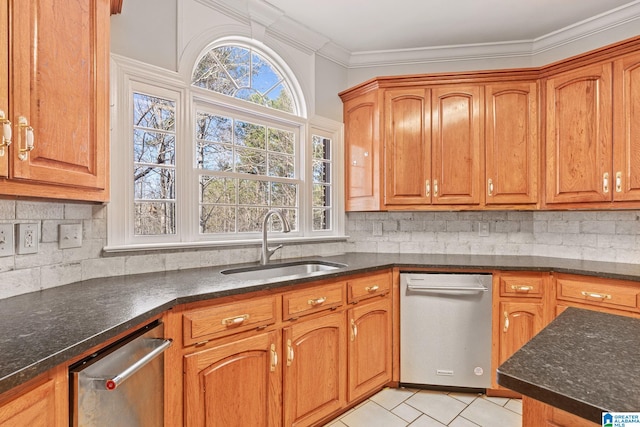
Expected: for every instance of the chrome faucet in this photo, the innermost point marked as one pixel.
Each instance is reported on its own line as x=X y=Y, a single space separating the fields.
x=266 y=252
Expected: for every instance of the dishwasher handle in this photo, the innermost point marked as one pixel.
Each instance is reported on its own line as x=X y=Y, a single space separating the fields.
x=414 y=287
x=446 y=288
x=114 y=382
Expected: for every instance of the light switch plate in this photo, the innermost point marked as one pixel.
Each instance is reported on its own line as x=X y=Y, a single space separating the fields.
x=7 y=247
x=70 y=236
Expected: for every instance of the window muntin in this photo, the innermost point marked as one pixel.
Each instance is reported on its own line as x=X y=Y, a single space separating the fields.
x=154 y=148
x=243 y=73
x=246 y=167
x=321 y=147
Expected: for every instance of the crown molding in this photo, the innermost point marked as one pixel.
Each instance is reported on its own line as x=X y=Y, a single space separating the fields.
x=281 y=27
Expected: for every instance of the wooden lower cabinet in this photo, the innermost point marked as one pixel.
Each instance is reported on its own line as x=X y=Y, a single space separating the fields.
x=521 y=302
x=41 y=403
x=520 y=322
x=314 y=359
x=235 y=384
x=538 y=414
x=369 y=346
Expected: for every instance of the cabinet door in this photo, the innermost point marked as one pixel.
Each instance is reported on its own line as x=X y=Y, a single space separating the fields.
x=314 y=380
x=511 y=143
x=362 y=145
x=369 y=346
x=4 y=83
x=457 y=136
x=407 y=161
x=579 y=135
x=626 y=113
x=237 y=384
x=59 y=87
x=519 y=321
x=45 y=405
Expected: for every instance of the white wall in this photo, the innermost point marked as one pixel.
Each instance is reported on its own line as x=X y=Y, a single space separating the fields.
x=146 y=30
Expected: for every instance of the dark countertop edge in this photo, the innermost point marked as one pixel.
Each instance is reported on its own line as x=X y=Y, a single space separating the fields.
x=442 y=261
x=557 y=400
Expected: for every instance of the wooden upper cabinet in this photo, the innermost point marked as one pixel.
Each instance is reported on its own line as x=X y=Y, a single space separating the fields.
x=59 y=89
x=362 y=151
x=4 y=85
x=511 y=143
x=407 y=159
x=626 y=133
x=457 y=139
x=579 y=135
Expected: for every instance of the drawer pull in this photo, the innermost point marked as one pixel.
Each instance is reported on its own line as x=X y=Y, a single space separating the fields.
x=236 y=320
x=595 y=295
x=372 y=288
x=506 y=322
x=317 y=301
x=521 y=288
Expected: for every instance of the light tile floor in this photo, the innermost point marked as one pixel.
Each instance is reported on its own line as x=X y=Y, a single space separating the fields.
x=425 y=408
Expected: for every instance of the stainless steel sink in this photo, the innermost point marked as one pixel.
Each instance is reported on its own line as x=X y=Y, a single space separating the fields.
x=277 y=270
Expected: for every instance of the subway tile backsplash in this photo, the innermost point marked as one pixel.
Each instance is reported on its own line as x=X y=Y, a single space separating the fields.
x=593 y=235
x=53 y=266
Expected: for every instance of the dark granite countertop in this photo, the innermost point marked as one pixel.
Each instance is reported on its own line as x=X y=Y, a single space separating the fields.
x=41 y=330
x=584 y=362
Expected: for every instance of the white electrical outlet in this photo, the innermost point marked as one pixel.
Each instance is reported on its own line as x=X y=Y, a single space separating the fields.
x=27 y=238
x=7 y=246
x=483 y=229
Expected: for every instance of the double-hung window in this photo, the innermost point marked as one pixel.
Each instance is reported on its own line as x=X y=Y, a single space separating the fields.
x=200 y=162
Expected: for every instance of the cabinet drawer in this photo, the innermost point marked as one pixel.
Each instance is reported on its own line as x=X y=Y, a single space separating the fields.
x=522 y=285
x=612 y=294
x=213 y=322
x=311 y=300
x=370 y=286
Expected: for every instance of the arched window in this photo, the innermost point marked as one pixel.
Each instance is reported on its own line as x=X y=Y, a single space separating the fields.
x=215 y=149
x=243 y=73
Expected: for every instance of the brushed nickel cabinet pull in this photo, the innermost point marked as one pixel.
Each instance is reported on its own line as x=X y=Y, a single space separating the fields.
x=435 y=188
x=372 y=289
x=618 y=182
x=428 y=188
x=490 y=187
x=605 y=182
x=354 y=330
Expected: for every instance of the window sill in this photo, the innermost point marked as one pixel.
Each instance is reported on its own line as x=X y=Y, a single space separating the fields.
x=143 y=247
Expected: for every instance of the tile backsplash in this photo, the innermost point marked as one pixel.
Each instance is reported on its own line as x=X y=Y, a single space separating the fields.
x=53 y=266
x=592 y=235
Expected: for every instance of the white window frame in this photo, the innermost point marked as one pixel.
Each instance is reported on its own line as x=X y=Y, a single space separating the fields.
x=129 y=76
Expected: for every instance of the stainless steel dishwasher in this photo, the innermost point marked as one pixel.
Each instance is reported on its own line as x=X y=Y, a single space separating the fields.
x=445 y=330
x=122 y=385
